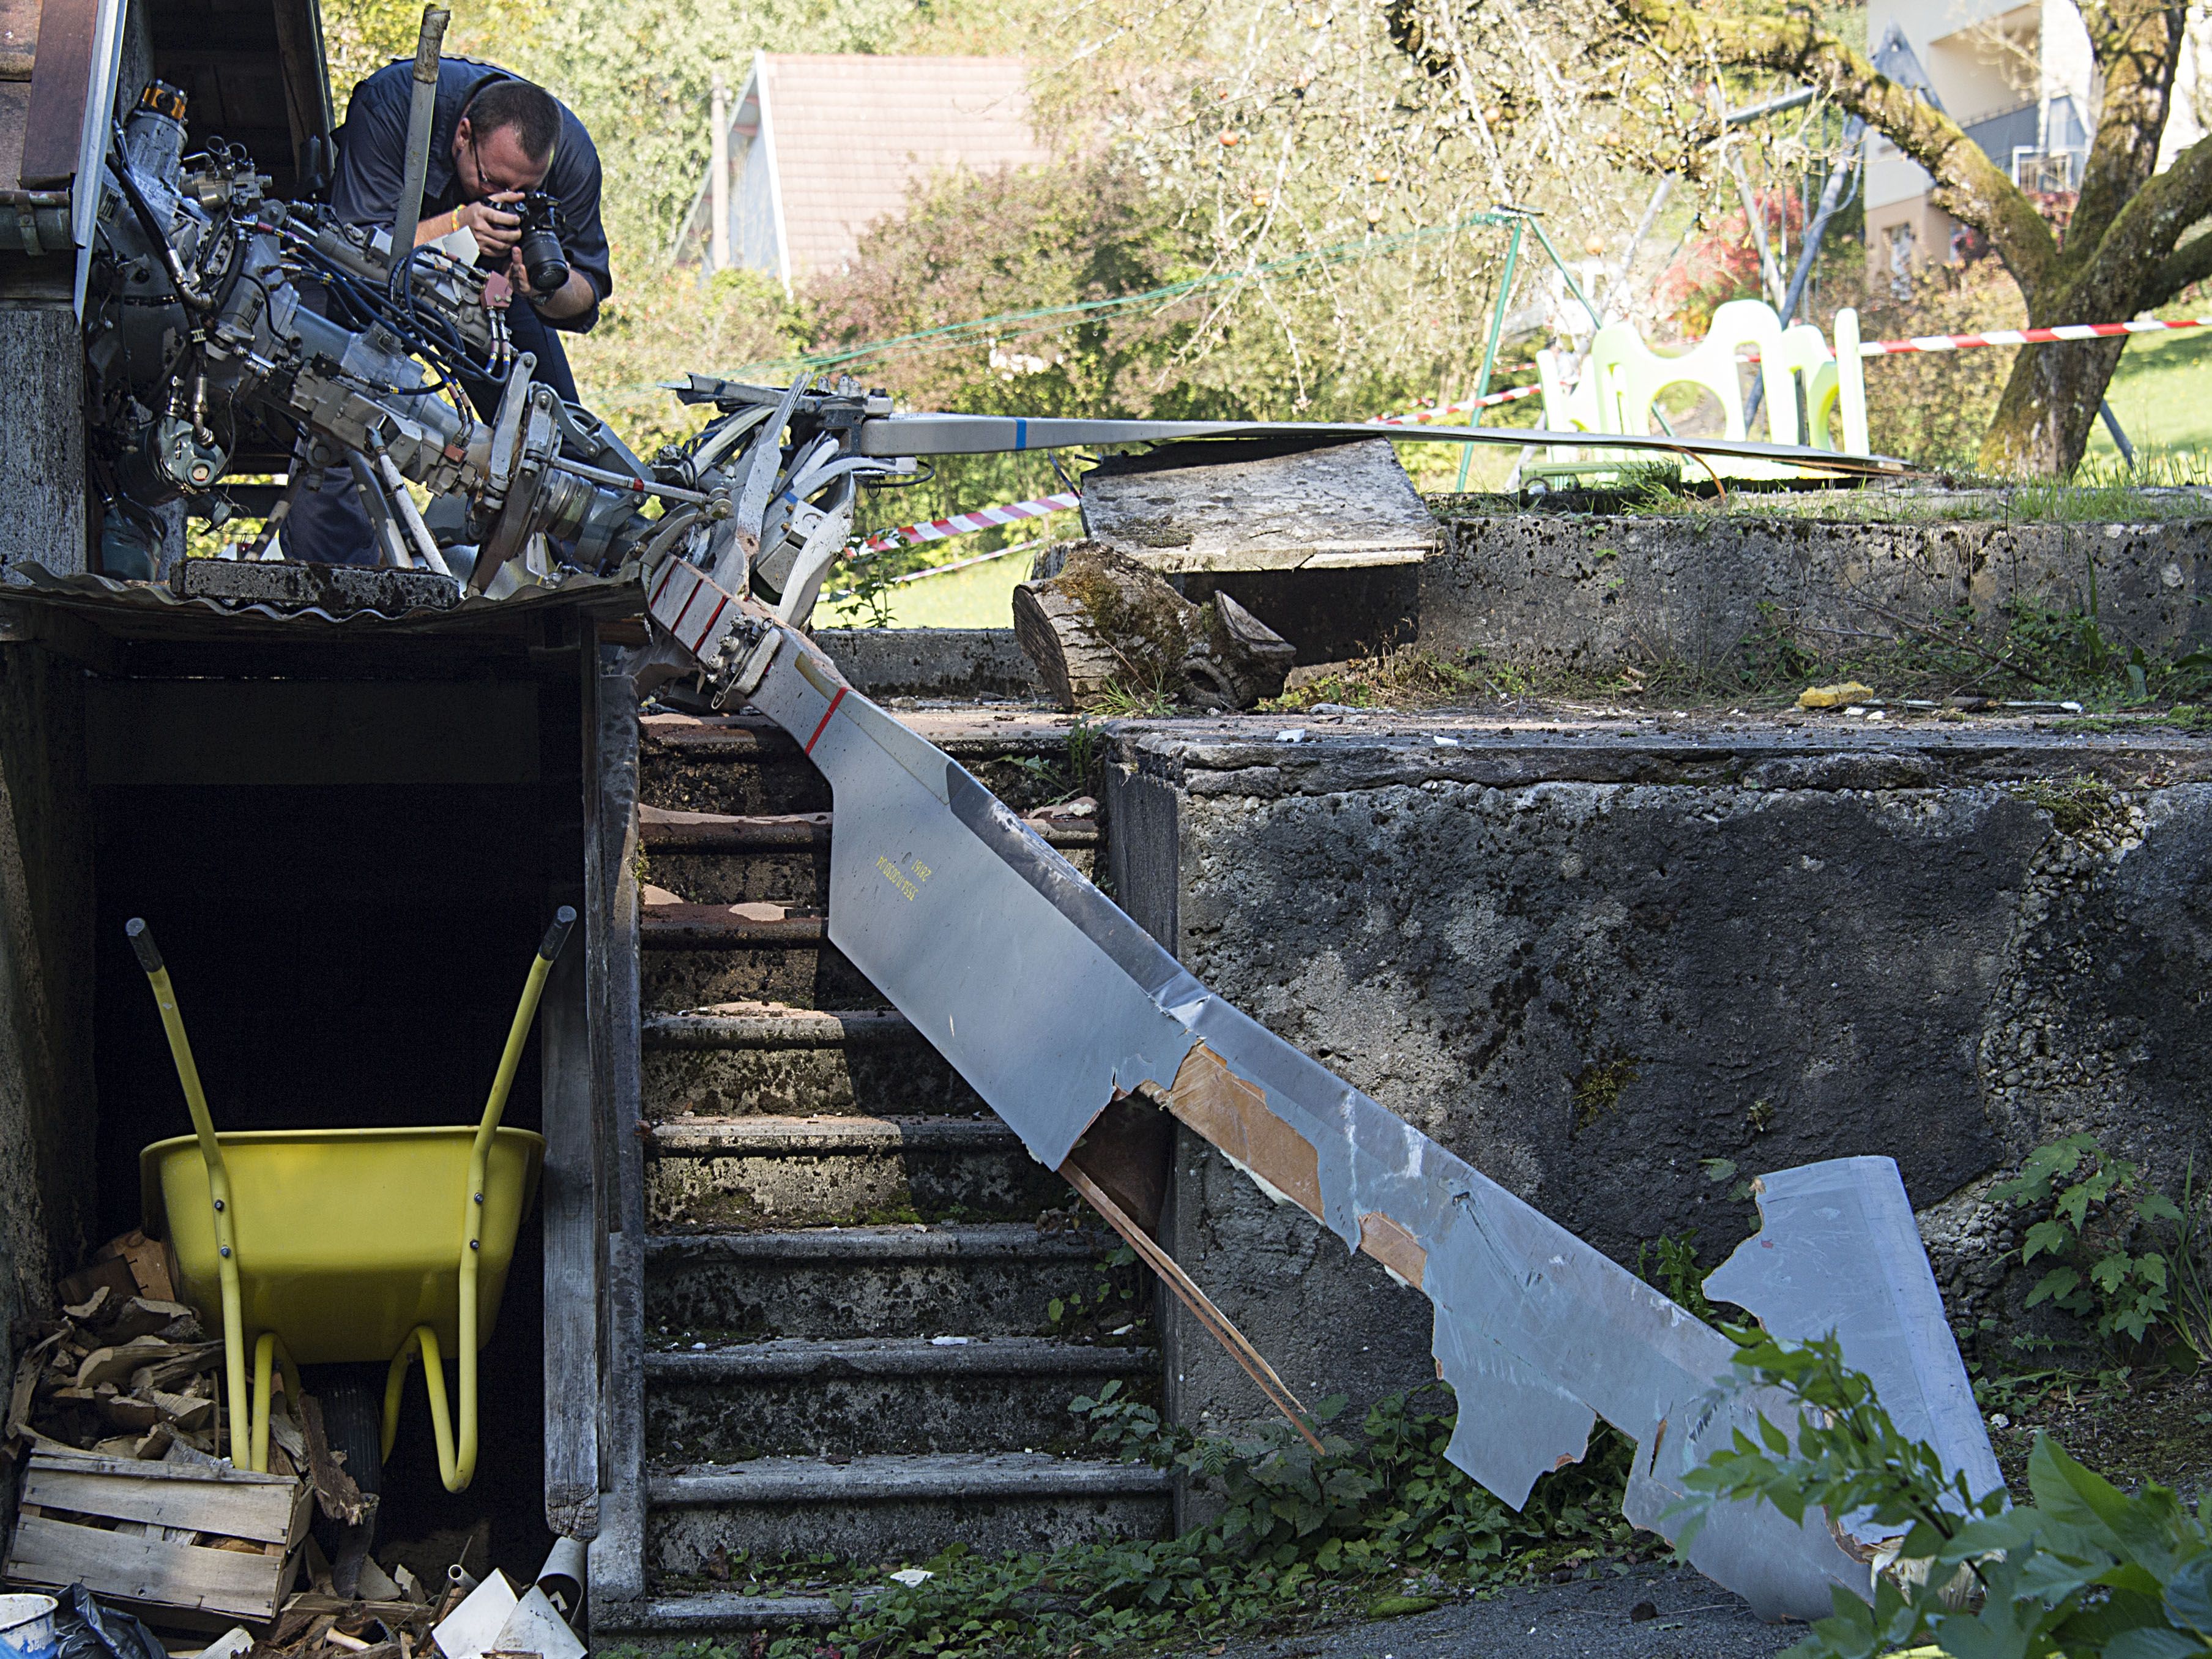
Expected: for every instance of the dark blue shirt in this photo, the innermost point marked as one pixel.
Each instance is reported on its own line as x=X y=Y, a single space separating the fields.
x=373 y=160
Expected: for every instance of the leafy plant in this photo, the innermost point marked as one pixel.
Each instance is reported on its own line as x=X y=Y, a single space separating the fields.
x=1669 y=1263
x=2191 y=1315
x=2084 y=1571
x=2097 y=1206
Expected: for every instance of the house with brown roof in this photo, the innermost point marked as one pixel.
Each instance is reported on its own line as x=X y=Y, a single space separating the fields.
x=817 y=147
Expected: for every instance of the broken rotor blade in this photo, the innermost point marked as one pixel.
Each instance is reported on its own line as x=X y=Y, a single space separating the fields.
x=996 y=435
x=1050 y=1002
x=763 y=462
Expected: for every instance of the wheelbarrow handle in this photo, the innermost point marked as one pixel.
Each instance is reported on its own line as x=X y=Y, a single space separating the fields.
x=555 y=936
x=142 y=941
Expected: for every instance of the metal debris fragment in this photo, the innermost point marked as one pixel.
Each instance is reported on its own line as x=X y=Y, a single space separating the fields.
x=1050 y=1002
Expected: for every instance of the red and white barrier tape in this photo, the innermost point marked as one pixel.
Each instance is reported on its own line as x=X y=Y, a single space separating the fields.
x=2013 y=336
x=983 y=518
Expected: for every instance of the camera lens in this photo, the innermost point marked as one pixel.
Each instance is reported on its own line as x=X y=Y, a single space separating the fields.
x=546 y=266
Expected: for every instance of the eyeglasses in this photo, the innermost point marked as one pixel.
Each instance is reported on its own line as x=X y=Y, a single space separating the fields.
x=485 y=181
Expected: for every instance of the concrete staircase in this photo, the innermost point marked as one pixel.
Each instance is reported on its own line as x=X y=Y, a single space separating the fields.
x=849 y=1262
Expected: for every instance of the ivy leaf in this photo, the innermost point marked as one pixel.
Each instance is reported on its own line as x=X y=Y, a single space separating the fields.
x=2055 y=1285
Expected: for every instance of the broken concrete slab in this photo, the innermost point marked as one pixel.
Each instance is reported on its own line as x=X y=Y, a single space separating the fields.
x=333 y=588
x=1260 y=505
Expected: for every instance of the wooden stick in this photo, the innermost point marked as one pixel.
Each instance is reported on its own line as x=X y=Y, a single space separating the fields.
x=1187 y=1292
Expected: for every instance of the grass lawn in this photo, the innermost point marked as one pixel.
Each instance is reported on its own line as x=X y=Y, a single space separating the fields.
x=979 y=596
x=2162 y=394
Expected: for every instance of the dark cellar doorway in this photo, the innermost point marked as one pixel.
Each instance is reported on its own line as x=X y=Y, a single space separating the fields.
x=348 y=879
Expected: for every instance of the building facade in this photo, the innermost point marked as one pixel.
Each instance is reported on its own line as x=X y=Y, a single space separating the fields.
x=2021 y=80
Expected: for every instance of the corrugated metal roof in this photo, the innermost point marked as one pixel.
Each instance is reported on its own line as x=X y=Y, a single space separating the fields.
x=151 y=609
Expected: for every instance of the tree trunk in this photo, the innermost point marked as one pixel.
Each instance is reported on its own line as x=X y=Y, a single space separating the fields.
x=1101 y=623
x=2049 y=410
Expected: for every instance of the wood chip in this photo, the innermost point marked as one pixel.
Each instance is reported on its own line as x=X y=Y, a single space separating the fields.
x=128 y=1411
x=103 y=1299
x=144 y=1315
x=192 y=1359
x=147 y=1261
x=114 y=1363
x=186 y=1411
x=336 y=1494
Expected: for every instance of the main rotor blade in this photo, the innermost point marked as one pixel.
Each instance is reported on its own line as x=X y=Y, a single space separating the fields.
x=1001 y=435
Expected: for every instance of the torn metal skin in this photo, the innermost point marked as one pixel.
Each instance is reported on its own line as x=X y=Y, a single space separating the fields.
x=1050 y=1001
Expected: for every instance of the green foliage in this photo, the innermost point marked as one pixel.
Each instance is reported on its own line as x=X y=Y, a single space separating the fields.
x=1107 y=1308
x=1669 y=1263
x=1382 y=1523
x=1772 y=655
x=2096 y=1205
x=2085 y=1571
x=2191 y=1316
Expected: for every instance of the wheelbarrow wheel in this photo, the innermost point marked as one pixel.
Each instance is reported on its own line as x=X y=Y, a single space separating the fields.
x=352 y=1398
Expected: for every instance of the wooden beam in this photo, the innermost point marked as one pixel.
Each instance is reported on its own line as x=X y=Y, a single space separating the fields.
x=61 y=92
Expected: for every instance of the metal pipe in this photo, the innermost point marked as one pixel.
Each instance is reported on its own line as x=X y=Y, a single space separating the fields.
x=421 y=111
x=410 y=517
x=378 y=509
x=626 y=484
x=218 y=1179
x=1489 y=345
x=1789 y=101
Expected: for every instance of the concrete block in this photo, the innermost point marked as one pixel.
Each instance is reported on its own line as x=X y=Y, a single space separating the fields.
x=930 y=662
x=1590 y=960
x=1552 y=591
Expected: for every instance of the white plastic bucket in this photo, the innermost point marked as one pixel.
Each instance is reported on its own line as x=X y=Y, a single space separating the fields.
x=26 y=1627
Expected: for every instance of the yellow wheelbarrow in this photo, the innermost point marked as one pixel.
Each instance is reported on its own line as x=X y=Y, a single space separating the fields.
x=258 y=1224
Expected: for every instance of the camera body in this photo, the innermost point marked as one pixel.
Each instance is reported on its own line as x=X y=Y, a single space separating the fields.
x=543 y=260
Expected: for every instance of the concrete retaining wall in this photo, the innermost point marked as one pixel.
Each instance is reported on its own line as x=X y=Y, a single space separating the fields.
x=1555 y=592
x=931 y=662
x=1587 y=960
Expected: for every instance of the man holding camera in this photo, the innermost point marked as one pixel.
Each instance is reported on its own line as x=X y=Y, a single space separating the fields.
x=507 y=158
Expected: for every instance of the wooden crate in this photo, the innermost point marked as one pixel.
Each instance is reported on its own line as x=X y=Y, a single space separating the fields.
x=146 y=1533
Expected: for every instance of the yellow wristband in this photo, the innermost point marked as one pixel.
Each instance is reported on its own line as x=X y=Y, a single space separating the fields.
x=455 y=215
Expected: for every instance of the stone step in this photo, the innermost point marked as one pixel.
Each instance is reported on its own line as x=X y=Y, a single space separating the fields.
x=715 y=858
x=741 y=1058
x=741 y=767
x=761 y=1171
x=700 y=955
x=720 y=858
x=880 y=1510
x=986 y=1279
x=667 y=829
x=874 y=1396
x=746 y=764
x=719 y=1617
